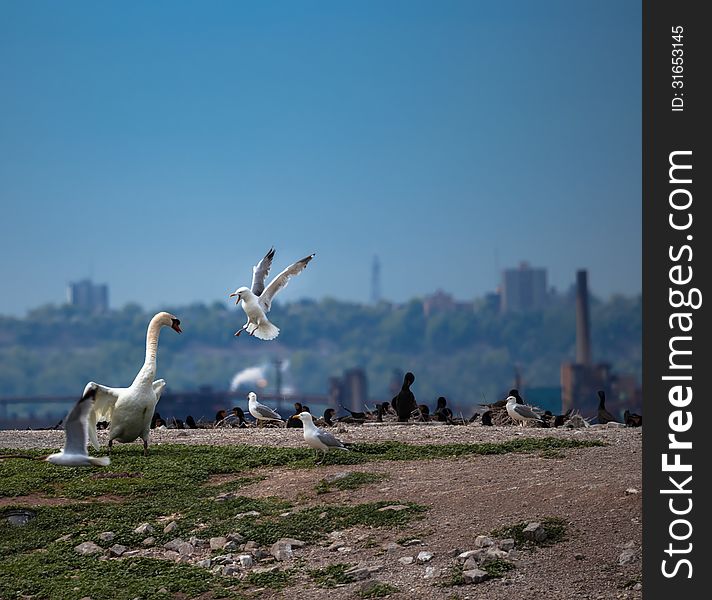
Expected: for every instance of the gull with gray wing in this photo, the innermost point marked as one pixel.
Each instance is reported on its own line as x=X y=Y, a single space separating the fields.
x=317 y=438
x=522 y=413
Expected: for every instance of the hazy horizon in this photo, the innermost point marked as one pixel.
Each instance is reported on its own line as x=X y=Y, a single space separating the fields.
x=162 y=148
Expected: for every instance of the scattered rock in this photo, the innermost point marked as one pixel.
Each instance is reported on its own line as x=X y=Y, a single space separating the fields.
x=358 y=573
x=117 y=550
x=222 y=559
x=638 y=586
x=431 y=573
x=205 y=563
x=235 y=537
x=88 y=548
x=474 y=576
x=130 y=553
x=465 y=555
x=471 y=563
x=249 y=513
x=186 y=549
x=413 y=542
x=231 y=546
x=483 y=541
x=627 y=556
x=172 y=526
x=260 y=554
x=228 y=570
x=632 y=490
x=281 y=550
x=336 y=477
x=406 y=560
x=65 y=538
x=390 y=547
x=393 y=507
x=344 y=549
x=424 y=557
x=245 y=560
x=174 y=544
x=149 y=541
x=143 y=529
x=171 y=555
x=495 y=554
x=507 y=544
x=217 y=543
x=106 y=536
x=251 y=545
x=579 y=556
x=535 y=532
x=294 y=543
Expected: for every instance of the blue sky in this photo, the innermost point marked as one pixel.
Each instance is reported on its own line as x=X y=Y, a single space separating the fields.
x=164 y=146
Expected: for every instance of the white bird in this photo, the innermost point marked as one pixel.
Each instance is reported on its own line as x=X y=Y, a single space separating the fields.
x=129 y=410
x=260 y=411
x=257 y=300
x=317 y=438
x=521 y=412
x=76 y=433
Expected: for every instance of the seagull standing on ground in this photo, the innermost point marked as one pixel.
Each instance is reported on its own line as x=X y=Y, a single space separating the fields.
x=521 y=412
x=318 y=438
x=76 y=436
x=257 y=300
x=260 y=411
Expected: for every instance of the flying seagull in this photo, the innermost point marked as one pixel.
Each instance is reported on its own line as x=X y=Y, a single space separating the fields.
x=76 y=436
x=260 y=411
x=319 y=439
x=522 y=412
x=257 y=300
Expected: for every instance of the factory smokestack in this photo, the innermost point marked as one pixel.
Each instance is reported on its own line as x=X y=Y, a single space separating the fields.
x=583 y=335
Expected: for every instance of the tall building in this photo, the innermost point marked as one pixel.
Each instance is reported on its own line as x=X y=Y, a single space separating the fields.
x=375 y=281
x=88 y=296
x=523 y=289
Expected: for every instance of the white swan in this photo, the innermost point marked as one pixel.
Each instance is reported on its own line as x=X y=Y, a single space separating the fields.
x=129 y=410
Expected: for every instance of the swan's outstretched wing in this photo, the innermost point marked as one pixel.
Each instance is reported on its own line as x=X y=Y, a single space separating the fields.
x=281 y=281
x=102 y=409
x=260 y=272
x=76 y=426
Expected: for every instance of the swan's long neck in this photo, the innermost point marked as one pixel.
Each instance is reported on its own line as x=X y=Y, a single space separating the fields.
x=148 y=371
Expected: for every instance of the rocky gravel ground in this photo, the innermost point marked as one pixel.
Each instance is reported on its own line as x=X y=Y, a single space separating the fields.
x=593 y=492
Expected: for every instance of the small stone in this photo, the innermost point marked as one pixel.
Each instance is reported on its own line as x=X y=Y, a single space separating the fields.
x=107 y=536
x=638 y=586
x=413 y=542
x=375 y=568
x=507 y=544
x=196 y=541
x=172 y=526
x=626 y=556
x=474 y=576
x=186 y=549
x=483 y=541
x=495 y=554
x=236 y=537
x=228 y=570
x=424 y=557
x=222 y=559
x=260 y=554
x=231 y=546
x=395 y=507
x=535 y=532
x=471 y=563
x=217 y=543
x=334 y=546
x=149 y=541
x=171 y=555
x=454 y=552
x=117 y=550
x=336 y=477
x=162 y=590
x=205 y=563
x=251 y=545
x=88 y=548
x=358 y=573
x=281 y=550
x=391 y=547
x=431 y=573
x=579 y=556
x=130 y=553
x=143 y=529
x=335 y=534
x=344 y=549
x=173 y=545
x=632 y=490
x=406 y=560
x=629 y=544
x=250 y=513
x=64 y=538
x=245 y=560
x=294 y=543
x=465 y=555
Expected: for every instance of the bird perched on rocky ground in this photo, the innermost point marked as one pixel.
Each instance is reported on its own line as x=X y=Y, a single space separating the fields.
x=632 y=419
x=603 y=415
x=521 y=413
x=404 y=402
x=319 y=439
x=559 y=420
x=76 y=436
x=261 y=412
x=257 y=299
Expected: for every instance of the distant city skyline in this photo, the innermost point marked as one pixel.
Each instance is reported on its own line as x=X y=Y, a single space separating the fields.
x=163 y=148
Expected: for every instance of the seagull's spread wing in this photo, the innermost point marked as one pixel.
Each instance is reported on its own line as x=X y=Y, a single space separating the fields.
x=266 y=412
x=260 y=272
x=102 y=408
x=281 y=281
x=76 y=427
x=328 y=440
x=524 y=411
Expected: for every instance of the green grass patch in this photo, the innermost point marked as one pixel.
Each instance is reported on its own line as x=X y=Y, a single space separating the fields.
x=453 y=576
x=352 y=481
x=555 y=532
x=276 y=579
x=377 y=589
x=331 y=576
x=497 y=567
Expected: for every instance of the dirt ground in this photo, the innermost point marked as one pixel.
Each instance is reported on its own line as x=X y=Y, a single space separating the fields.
x=596 y=491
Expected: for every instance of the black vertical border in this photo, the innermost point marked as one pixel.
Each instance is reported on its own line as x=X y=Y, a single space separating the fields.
x=666 y=131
